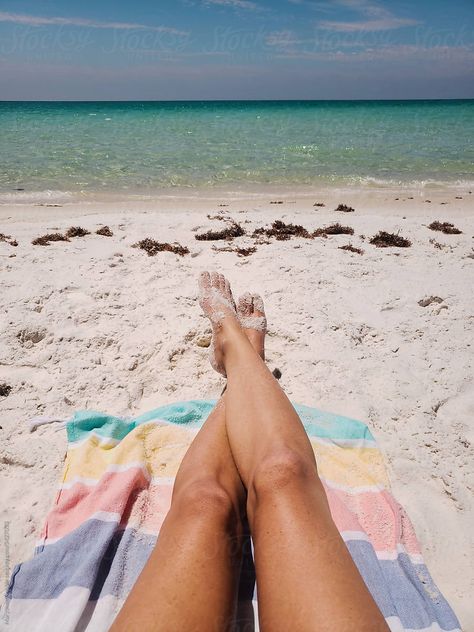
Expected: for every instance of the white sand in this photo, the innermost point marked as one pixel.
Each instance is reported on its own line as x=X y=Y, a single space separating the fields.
x=97 y=324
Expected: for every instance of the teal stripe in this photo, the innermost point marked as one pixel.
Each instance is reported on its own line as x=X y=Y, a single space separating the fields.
x=193 y=413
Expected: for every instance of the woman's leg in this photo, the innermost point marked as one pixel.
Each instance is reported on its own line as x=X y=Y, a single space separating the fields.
x=306 y=578
x=190 y=581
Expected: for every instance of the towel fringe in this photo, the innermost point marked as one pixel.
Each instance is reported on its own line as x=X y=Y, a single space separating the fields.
x=41 y=421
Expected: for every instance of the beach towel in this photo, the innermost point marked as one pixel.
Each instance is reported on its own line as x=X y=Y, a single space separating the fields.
x=115 y=492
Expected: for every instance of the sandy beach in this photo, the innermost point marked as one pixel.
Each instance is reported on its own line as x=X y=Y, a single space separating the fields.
x=384 y=336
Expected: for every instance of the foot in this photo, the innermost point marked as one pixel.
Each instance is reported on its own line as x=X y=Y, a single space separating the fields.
x=251 y=314
x=217 y=302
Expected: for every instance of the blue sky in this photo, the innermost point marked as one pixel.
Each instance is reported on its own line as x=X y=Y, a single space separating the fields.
x=236 y=49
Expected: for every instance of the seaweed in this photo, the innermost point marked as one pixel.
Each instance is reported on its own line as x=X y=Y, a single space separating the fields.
x=437 y=245
x=76 y=231
x=233 y=230
x=352 y=248
x=333 y=229
x=45 y=240
x=445 y=227
x=152 y=247
x=282 y=231
x=104 y=231
x=241 y=252
x=344 y=208
x=5 y=389
x=424 y=302
x=8 y=239
x=387 y=240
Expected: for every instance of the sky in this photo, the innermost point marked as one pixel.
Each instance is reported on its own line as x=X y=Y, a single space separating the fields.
x=236 y=49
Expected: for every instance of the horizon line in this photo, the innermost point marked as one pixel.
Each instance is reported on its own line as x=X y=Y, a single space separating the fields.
x=231 y=100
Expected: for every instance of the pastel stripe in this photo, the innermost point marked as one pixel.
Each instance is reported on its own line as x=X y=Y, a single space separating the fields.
x=369 y=512
x=400 y=588
x=193 y=414
x=163 y=447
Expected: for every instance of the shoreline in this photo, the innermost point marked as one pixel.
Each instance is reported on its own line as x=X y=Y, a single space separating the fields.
x=380 y=201
x=95 y=323
x=236 y=191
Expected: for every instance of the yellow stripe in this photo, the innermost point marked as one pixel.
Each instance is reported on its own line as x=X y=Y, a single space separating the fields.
x=161 y=449
x=351 y=467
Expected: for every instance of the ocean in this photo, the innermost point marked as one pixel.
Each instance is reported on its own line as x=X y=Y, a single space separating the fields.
x=63 y=148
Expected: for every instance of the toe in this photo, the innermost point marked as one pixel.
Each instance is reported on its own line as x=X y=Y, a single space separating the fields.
x=215 y=280
x=228 y=294
x=222 y=283
x=245 y=305
x=204 y=281
x=258 y=306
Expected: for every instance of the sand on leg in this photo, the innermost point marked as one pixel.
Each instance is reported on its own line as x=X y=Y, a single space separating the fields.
x=306 y=578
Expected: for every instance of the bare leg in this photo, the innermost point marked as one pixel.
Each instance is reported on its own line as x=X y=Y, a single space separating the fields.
x=190 y=580
x=186 y=562
x=306 y=578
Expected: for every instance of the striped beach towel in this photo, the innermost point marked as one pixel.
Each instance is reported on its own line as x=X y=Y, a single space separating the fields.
x=115 y=492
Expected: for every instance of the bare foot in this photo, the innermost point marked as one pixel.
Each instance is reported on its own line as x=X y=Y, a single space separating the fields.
x=217 y=302
x=251 y=314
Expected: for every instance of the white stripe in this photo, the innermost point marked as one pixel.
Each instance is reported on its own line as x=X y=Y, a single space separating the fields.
x=390 y=554
x=345 y=443
x=354 y=490
x=347 y=536
x=415 y=558
x=69 y=612
x=395 y=625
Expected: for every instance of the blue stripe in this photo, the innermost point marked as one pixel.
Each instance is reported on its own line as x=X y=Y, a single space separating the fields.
x=107 y=561
x=402 y=588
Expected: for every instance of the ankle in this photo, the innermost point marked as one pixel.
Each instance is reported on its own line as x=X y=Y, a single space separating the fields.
x=232 y=338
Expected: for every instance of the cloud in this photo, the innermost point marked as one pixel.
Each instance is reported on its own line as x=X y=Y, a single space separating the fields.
x=377 y=18
x=460 y=56
x=283 y=39
x=384 y=24
x=235 y=4
x=34 y=20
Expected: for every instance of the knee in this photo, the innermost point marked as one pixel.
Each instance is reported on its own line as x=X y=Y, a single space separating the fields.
x=281 y=471
x=205 y=499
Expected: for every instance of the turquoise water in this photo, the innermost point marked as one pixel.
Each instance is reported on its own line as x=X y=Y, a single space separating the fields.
x=147 y=146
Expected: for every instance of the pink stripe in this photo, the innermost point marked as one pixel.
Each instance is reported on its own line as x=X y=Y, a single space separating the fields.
x=127 y=493
x=378 y=515
x=145 y=506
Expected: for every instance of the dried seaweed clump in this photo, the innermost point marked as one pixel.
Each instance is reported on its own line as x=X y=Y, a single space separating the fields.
x=344 y=208
x=45 y=240
x=241 y=252
x=104 y=231
x=445 y=227
x=230 y=232
x=424 y=302
x=386 y=240
x=246 y=252
x=76 y=231
x=352 y=248
x=282 y=231
x=437 y=245
x=152 y=247
x=5 y=390
x=333 y=229
x=8 y=239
